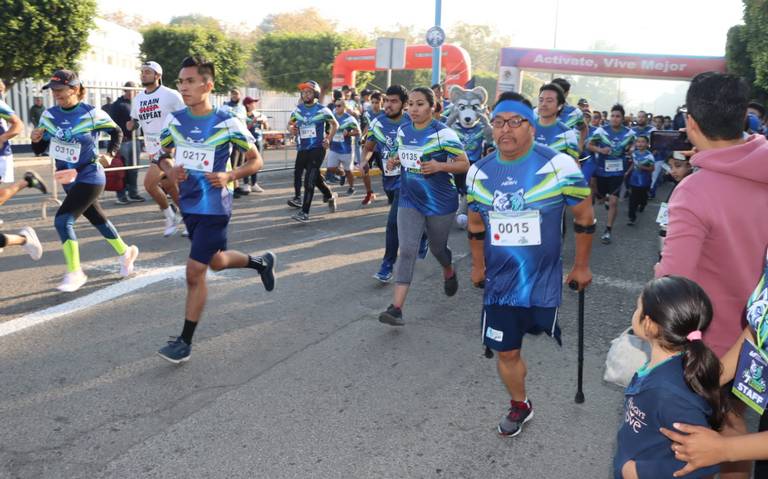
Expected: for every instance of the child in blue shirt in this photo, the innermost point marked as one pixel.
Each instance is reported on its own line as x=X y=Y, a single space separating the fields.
x=681 y=382
x=640 y=178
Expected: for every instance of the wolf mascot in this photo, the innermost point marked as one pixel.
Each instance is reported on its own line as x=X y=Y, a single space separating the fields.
x=469 y=118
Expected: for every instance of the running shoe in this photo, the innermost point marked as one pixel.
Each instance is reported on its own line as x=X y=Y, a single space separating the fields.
x=640 y=208
x=606 y=238
x=369 y=198
x=171 y=225
x=392 y=316
x=121 y=200
x=333 y=202
x=385 y=273
x=451 y=285
x=631 y=222
x=136 y=199
x=520 y=412
x=350 y=191
x=245 y=188
x=127 y=260
x=176 y=351
x=342 y=180
x=268 y=273
x=301 y=217
x=72 y=281
x=423 y=247
x=35 y=181
x=256 y=188
x=295 y=202
x=33 y=247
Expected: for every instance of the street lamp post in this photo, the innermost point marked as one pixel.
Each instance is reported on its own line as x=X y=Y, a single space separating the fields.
x=436 y=50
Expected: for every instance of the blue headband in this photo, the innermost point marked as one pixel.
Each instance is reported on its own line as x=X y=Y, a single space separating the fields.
x=514 y=106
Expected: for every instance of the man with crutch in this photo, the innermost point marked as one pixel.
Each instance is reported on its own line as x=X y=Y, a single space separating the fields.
x=516 y=198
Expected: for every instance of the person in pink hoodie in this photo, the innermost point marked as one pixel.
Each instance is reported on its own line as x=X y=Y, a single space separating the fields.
x=717 y=233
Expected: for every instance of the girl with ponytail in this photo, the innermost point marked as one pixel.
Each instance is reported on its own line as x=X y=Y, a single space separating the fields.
x=680 y=383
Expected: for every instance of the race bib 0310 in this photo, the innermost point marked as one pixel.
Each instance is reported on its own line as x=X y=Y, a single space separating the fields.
x=63 y=151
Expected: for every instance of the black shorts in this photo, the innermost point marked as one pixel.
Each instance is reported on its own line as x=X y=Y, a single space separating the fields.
x=609 y=185
x=208 y=234
x=505 y=326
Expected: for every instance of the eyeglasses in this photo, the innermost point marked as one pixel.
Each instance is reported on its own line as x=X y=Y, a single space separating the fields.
x=513 y=122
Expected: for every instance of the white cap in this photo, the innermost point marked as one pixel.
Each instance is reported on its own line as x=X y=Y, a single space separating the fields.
x=153 y=66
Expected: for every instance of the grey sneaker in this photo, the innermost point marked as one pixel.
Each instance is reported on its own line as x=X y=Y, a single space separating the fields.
x=35 y=181
x=512 y=423
x=301 y=217
x=332 y=203
x=392 y=316
x=294 y=202
x=606 y=238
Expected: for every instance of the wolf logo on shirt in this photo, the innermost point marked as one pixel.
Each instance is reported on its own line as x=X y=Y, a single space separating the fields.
x=509 y=201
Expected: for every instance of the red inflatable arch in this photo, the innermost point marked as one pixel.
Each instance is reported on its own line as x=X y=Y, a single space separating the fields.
x=455 y=61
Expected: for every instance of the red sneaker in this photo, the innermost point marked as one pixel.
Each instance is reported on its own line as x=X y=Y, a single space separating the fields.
x=369 y=197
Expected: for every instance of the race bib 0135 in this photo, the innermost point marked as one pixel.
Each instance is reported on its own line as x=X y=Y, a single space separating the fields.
x=410 y=158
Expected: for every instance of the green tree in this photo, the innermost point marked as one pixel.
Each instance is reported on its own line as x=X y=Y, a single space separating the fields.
x=305 y=21
x=287 y=59
x=481 y=42
x=196 y=20
x=39 y=36
x=170 y=45
x=756 y=34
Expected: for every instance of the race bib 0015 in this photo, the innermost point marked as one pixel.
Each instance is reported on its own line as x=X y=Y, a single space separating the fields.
x=614 y=166
x=63 y=151
x=515 y=228
x=195 y=157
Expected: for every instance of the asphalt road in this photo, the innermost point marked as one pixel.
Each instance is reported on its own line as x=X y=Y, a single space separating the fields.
x=301 y=382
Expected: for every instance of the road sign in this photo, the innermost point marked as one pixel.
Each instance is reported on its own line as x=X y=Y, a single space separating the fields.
x=435 y=37
x=390 y=53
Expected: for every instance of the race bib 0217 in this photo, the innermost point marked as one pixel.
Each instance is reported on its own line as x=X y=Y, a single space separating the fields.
x=195 y=157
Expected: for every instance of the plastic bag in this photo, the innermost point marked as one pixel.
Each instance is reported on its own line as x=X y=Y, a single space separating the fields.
x=627 y=354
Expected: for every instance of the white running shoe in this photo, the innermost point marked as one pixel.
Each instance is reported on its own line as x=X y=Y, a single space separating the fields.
x=33 y=247
x=171 y=224
x=72 y=281
x=255 y=188
x=127 y=260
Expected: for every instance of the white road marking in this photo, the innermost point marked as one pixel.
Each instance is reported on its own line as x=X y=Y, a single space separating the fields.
x=97 y=297
x=631 y=286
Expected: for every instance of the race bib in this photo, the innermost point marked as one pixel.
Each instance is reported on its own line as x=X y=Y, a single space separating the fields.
x=515 y=228
x=410 y=159
x=195 y=157
x=393 y=172
x=63 y=151
x=307 y=132
x=663 y=217
x=151 y=143
x=338 y=137
x=751 y=380
x=614 y=166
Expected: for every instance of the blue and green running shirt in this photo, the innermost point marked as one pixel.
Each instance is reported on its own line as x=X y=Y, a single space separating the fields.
x=558 y=137
x=639 y=178
x=435 y=194
x=473 y=140
x=74 y=139
x=571 y=116
x=383 y=131
x=6 y=112
x=643 y=131
x=310 y=121
x=521 y=203
x=339 y=144
x=619 y=141
x=202 y=145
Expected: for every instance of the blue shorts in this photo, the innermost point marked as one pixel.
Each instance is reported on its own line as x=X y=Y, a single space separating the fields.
x=208 y=234
x=505 y=326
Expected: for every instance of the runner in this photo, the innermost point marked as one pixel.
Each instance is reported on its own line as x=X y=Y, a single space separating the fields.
x=256 y=123
x=340 y=152
x=27 y=238
x=148 y=111
x=72 y=129
x=308 y=121
x=571 y=115
x=611 y=147
x=10 y=126
x=201 y=136
x=550 y=131
x=428 y=153
x=640 y=177
x=376 y=158
x=517 y=196
x=381 y=140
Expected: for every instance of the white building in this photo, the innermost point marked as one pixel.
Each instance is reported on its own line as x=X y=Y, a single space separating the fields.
x=113 y=55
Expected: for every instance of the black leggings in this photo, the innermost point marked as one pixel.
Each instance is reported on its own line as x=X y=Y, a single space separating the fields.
x=309 y=160
x=82 y=199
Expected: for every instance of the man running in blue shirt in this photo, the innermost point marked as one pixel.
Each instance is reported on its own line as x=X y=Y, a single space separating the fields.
x=516 y=197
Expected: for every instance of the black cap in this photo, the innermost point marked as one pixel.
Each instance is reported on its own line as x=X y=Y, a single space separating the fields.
x=62 y=78
x=583 y=101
